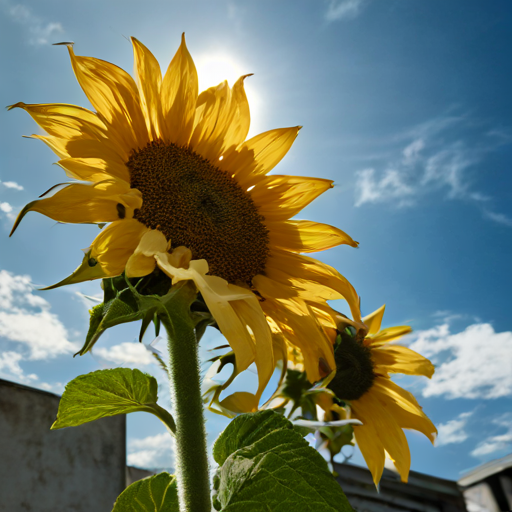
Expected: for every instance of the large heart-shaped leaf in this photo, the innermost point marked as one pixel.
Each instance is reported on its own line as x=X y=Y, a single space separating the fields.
x=267 y=466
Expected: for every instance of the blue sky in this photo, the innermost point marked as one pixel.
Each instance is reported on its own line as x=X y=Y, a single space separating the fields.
x=405 y=104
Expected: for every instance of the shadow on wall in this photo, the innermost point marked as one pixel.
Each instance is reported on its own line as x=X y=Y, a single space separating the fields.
x=69 y=470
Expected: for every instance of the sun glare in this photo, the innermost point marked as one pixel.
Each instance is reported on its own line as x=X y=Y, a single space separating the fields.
x=215 y=68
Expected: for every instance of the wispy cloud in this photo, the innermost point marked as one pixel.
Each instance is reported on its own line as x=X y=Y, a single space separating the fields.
x=453 y=431
x=430 y=158
x=26 y=318
x=343 y=9
x=389 y=187
x=496 y=443
x=474 y=363
x=39 y=31
x=500 y=218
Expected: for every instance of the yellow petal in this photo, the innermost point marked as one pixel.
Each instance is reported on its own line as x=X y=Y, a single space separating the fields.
x=389 y=334
x=64 y=121
x=108 y=253
x=222 y=120
x=309 y=269
x=115 y=97
x=149 y=80
x=239 y=118
x=94 y=169
x=372 y=409
x=106 y=201
x=371 y=448
x=282 y=197
x=116 y=243
x=323 y=398
x=398 y=359
x=405 y=409
x=250 y=313
x=81 y=148
x=301 y=328
x=179 y=96
x=240 y=402
x=218 y=295
x=374 y=320
x=259 y=155
x=142 y=261
x=306 y=236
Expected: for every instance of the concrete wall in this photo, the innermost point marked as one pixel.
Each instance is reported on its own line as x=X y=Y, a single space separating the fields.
x=70 y=470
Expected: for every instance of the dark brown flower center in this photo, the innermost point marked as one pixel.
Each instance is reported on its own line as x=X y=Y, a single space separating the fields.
x=354 y=369
x=195 y=204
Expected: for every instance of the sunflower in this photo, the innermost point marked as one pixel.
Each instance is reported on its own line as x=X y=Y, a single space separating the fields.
x=363 y=382
x=171 y=174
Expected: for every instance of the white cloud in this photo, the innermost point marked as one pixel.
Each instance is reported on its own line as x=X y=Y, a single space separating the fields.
x=5 y=207
x=151 y=452
x=10 y=368
x=453 y=431
x=39 y=31
x=26 y=318
x=500 y=218
x=474 y=363
x=12 y=184
x=411 y=153
x=496 y=443
x=390 y=187
x=343 y=9
x=7 y=210
x=442 y=154
x=126 y=353
x=415 y=174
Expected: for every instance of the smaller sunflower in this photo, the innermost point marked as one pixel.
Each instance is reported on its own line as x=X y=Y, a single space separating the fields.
x=363 y=381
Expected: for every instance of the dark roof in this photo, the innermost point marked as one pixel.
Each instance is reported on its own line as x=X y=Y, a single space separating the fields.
x=486 y=470
x=423 y=493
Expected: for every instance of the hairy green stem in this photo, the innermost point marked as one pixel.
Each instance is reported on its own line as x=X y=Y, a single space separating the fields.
x=190 y=440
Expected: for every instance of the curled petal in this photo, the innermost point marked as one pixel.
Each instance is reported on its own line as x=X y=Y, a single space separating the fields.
x=105 y=201
x=108 y=253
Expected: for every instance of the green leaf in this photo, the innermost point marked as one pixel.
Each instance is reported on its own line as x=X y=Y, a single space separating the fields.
x=154 y=494
x=245 y=430
x=120 y=309
x=267 y=466
x=108 y=393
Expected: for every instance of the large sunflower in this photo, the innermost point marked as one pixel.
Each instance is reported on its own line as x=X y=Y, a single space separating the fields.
x=362 y=380
x=171 y=172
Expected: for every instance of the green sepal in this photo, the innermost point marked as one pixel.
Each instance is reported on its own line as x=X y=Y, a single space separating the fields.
x=266 y=465
x=119 y=306
x=157 y=493
x=111 y=392
x=127 y=300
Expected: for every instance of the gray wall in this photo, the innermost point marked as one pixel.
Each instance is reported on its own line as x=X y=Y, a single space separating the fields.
x=69 y=470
